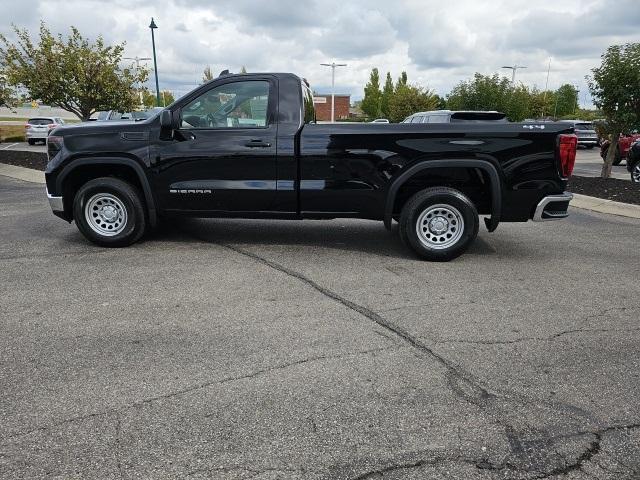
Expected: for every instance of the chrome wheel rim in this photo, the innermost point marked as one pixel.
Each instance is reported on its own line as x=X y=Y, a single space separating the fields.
x=635 y=173
x=440 y=226
x=106 y=214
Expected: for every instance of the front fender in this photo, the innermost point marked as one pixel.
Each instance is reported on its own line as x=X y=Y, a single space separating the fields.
x=105 y=161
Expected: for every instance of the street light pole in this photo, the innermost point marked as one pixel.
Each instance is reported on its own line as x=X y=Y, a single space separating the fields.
x=153 y=26
x=333 y=66
x=546 y=88
x=513 y=69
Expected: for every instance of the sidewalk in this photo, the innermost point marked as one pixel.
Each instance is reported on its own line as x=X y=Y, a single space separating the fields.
x=21 y=173
x=605 y=206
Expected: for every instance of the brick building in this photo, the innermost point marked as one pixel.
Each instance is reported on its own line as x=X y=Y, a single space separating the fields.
x=322 y=102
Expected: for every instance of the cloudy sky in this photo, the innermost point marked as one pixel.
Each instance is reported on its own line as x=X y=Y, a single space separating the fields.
x=437 y=42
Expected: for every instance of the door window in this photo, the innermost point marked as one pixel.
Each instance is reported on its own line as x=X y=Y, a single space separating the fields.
x=232 y=105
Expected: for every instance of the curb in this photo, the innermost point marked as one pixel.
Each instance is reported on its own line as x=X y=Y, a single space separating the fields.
x=582 y=202
x=22 y=173
x=601 y=205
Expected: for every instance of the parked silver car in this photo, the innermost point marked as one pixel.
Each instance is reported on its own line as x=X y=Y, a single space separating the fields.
x=586 y=133
x=37 y=129
x=456 y=116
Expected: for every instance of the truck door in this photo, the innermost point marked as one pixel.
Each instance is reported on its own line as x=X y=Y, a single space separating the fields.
x=223 y=155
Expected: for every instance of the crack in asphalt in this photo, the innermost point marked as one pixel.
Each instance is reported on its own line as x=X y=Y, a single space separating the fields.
x=479 y=397
x=366 y=312
x=550 y=338
x=555 y=335
x=257 y=373
x=587 y=455
x=393 y=468
x=185 y=391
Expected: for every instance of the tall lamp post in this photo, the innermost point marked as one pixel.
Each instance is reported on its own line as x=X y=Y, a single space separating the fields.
x=153 y=26
x=514 y=68
x=333 y=66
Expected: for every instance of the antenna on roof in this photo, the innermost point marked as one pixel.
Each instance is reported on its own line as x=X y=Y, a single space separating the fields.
x=224 y=73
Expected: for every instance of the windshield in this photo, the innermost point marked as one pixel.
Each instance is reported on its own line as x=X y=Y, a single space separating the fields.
x=584 y=126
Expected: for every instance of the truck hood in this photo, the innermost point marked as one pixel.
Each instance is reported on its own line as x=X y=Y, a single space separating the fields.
x=99 y=128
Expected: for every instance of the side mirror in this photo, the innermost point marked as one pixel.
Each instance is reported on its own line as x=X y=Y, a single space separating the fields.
x=166 y=120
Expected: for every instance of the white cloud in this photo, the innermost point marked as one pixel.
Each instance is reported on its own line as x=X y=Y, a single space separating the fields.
x=438 y=43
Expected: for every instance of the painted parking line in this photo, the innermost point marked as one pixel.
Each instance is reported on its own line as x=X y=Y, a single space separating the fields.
x=7 y=147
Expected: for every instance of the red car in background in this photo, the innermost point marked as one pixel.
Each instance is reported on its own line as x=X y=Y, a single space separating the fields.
x=624 y=143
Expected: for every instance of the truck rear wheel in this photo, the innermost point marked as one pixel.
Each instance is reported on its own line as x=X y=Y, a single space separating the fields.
x=109 y=212
x=439 y=223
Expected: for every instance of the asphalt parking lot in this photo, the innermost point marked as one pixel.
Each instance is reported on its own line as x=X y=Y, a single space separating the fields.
x=589 y=164
x=237 y=349
x=23 y=146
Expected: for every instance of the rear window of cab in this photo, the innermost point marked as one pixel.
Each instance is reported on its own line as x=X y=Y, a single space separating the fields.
x=40 y=121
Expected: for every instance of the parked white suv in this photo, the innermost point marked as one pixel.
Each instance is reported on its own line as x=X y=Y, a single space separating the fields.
x=37 y=129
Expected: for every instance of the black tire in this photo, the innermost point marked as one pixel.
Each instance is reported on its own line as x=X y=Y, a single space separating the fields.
x=31 y=141
x=125 y=197
x=447 y=208
x=635 y=172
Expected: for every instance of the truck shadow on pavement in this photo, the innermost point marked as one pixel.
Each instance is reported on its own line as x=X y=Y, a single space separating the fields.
x=348 y=235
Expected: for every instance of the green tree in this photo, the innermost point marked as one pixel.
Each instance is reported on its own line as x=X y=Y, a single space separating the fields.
x=615 y=89
x=387 y=94
x=207 y=74
x=402 y=80
x=372 y=101
x=74 y=74
x=566 y=100
x=518 y=103
x=541 y=103
x=408 y=99
x=483 y=92
x=7 y=94
x=149 y=98
x=442 y=102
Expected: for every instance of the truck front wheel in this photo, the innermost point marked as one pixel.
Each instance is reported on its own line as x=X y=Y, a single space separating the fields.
x=109 y=212
x=439 y=223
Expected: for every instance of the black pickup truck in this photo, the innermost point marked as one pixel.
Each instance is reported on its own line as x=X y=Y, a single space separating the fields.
x=248 y=146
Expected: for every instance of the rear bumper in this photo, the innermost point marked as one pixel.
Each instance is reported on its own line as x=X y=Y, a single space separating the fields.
x=552 y=207
x=36 y=135
x=56 y=203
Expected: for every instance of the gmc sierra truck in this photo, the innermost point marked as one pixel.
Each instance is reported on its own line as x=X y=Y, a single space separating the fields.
x=248 y=146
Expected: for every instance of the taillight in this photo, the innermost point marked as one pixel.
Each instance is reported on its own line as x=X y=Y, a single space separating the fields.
x=54 y=145
x=52 y=125
x=26 y=127
x=567 y=145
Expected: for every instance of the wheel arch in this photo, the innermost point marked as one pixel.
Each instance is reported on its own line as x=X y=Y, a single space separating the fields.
x=124 y=168
x=495 y=185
